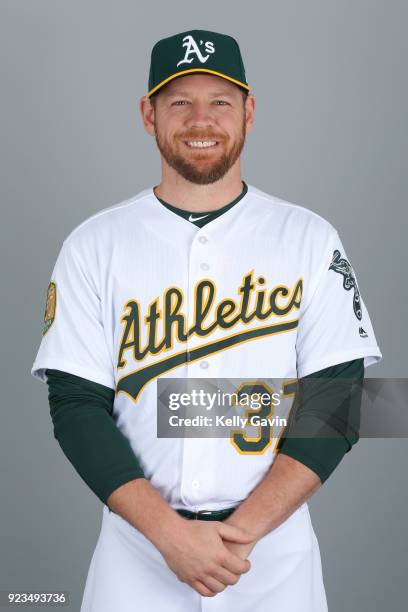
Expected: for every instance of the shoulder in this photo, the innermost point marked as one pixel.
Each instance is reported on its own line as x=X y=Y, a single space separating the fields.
x=290 y=215
x=100 y=224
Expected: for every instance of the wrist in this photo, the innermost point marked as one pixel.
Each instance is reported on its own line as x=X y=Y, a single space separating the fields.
x=237 y=520
x=168 y=526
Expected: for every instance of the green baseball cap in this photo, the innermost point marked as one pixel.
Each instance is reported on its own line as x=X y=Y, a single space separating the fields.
x=196 y=51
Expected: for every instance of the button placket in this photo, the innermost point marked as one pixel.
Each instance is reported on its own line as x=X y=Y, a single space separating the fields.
x=192 y=483
x=199 y=262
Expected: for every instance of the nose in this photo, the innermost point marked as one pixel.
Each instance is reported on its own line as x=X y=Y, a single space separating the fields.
x=200 y=115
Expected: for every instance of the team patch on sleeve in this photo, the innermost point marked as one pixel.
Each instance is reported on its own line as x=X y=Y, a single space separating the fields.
x=342 y=266
x=50 y=307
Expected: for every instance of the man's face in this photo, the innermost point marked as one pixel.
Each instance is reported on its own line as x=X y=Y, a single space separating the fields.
x=195 y=111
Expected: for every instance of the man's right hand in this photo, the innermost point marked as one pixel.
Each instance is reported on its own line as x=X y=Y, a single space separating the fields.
x=196 y=553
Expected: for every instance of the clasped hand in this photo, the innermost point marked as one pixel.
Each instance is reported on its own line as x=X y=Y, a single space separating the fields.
x=208 y=555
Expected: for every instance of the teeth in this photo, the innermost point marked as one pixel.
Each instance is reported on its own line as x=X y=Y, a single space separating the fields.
x=201 y=143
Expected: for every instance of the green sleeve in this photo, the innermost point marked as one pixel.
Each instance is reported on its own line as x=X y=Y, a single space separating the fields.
x=325 y=418
x=82 y=415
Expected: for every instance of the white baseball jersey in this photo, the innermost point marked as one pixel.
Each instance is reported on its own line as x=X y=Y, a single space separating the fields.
x=263 y=291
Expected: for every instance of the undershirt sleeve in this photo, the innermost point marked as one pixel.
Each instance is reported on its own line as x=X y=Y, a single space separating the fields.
x=325 y=418
x=81 y=412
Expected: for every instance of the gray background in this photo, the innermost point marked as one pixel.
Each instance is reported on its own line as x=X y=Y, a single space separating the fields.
x=330 y=135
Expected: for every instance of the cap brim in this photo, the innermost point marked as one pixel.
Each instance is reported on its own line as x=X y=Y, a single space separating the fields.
x=183 y=72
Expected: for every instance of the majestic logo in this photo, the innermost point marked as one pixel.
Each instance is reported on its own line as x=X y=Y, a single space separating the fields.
x=165 y=325
x=192 y=49
x=50 y=306
x=362 y=333
x=343 y=267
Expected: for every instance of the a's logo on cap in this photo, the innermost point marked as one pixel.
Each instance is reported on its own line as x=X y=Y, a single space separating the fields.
x=193 y=49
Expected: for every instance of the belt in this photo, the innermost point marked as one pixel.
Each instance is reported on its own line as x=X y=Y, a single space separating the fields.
x=206 y=515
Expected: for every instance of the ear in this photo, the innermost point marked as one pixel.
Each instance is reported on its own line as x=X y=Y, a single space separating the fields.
x=250 y=104
x=147 y=112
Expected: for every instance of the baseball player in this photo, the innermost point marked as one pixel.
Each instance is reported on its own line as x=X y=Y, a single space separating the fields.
x=201 y=276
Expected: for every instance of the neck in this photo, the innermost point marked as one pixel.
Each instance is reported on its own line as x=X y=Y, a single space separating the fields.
x=182 y=194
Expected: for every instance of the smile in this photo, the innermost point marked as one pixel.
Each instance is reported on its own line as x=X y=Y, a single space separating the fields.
x=201 y=144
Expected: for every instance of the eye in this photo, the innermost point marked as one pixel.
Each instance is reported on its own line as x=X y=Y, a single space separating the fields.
x=182 y=102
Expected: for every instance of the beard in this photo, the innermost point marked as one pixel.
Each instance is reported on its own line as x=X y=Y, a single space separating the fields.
x=197 y=167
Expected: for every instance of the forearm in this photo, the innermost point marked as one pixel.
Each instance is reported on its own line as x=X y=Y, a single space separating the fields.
x=286 y=486
x=324 y=428
x=325 y=421
x=321 y=453
x=81 y=412
x=139 y=503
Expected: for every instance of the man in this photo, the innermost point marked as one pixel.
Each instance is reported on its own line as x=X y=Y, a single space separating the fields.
x=202 y=276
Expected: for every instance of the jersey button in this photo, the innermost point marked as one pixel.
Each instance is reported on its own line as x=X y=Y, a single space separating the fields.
x=203 y=239
x=195 y=484
x=204 y=266
x=204 y=365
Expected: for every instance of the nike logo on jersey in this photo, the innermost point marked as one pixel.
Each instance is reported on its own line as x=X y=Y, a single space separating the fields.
x=192 y=219
x=165 y=325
